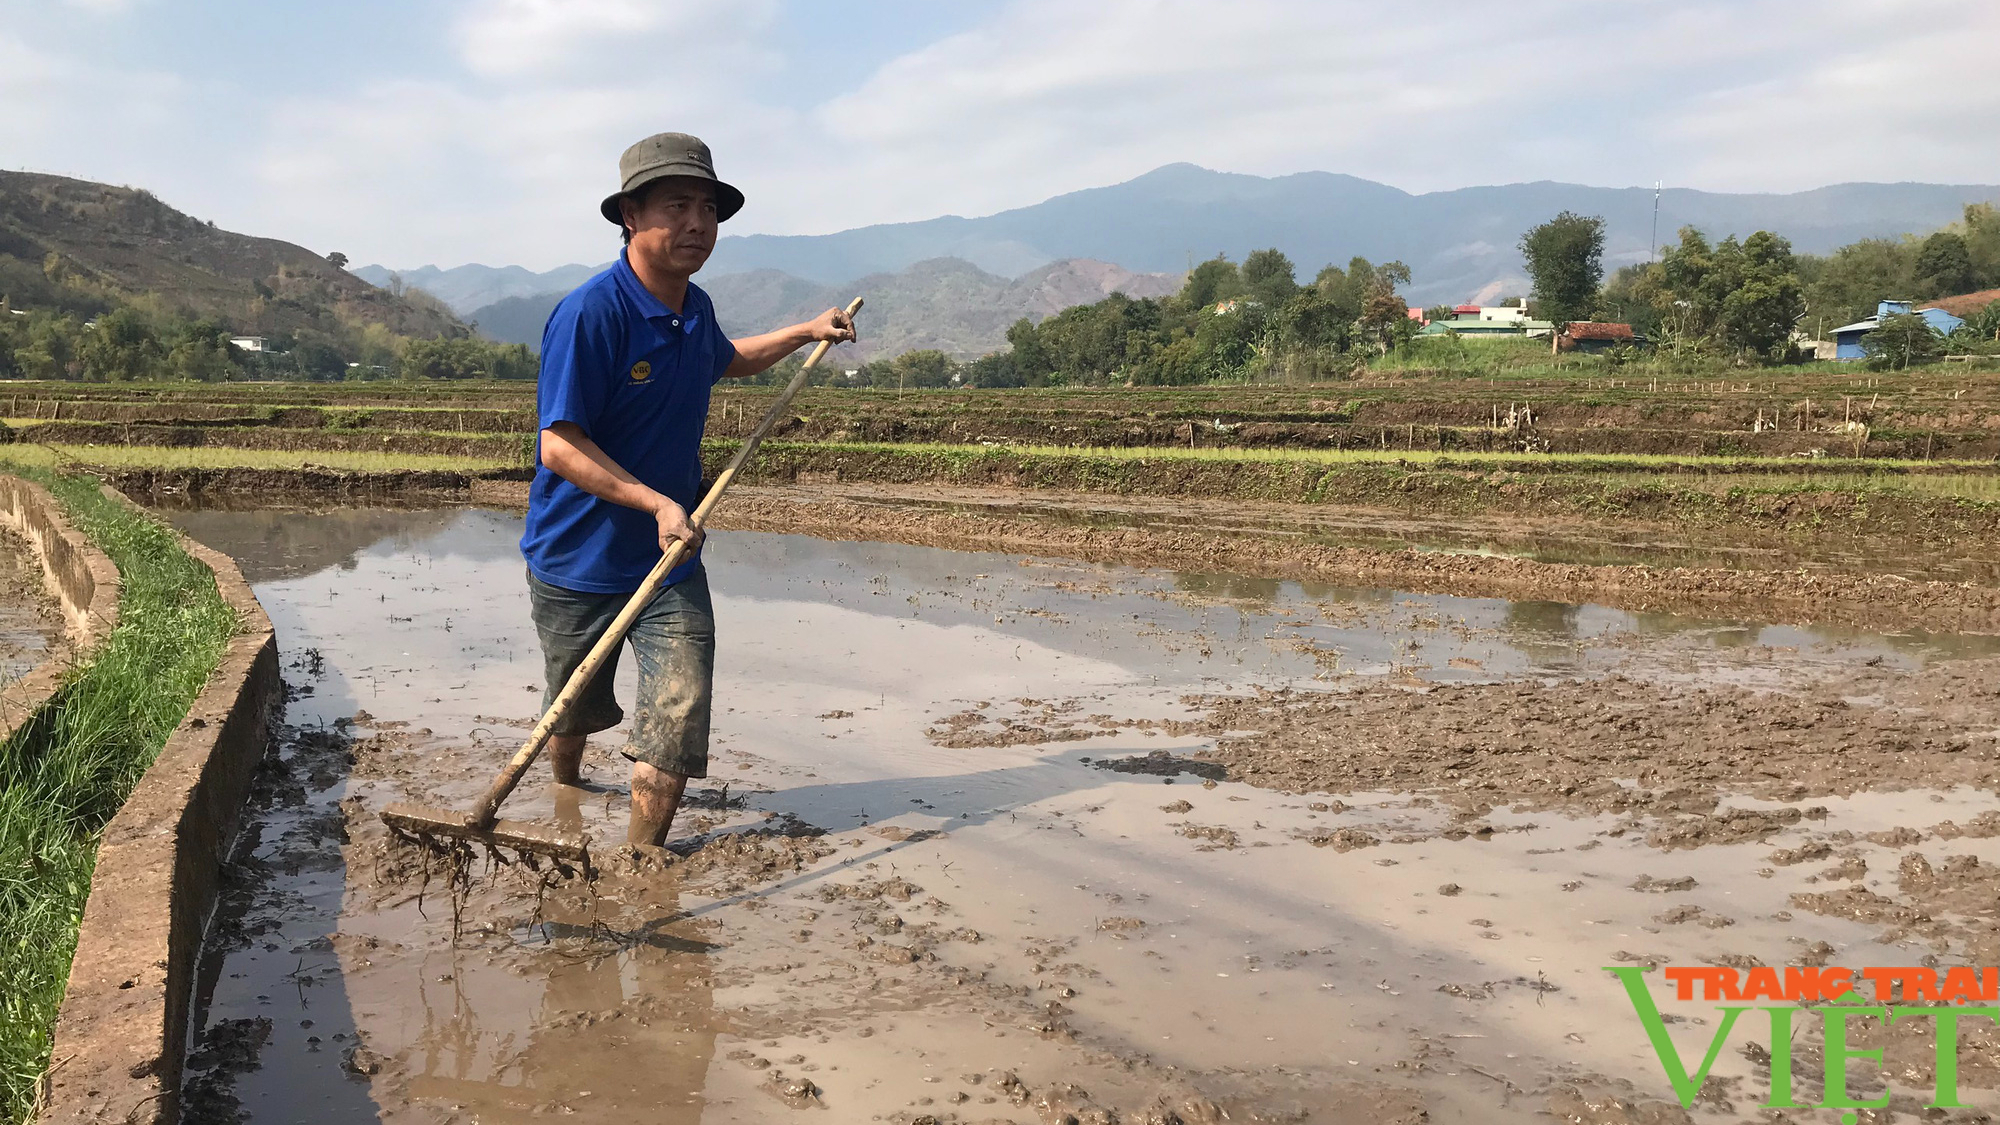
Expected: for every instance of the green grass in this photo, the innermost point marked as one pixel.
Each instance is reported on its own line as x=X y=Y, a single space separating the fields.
x=222 y=457
x=1572 y=462
x=67 y=771
x=1961 y=486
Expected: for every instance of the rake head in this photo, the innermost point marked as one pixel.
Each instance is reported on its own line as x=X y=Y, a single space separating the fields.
x=425 y=825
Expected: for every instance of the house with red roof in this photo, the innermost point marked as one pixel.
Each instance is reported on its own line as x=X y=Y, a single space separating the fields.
x=1592 y=336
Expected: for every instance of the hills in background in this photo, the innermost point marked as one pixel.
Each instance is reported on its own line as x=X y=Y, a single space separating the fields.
x=118 y=243
x=466 y=288
x=944 y=303
x=1460 y=245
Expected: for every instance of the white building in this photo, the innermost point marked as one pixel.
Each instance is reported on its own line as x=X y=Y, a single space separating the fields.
x=250 y=343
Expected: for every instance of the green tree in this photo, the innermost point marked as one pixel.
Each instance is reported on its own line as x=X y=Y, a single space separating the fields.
x=1900 y=342
x=1214 y=280
x=1030 y=359
x=1982 y=243
x=1269 y=277
x=1695 y=281
x=1565 y=259
x=337 y=260
x=927 y=368
x=444 y=359
x=1944 y=266
x=1767 y=299
x=1633 y=296
x=121 y=346
x=1984 y=324
x=997 y=370
x=1849 y=283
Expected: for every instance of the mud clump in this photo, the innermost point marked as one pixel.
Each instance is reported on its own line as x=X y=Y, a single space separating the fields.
x=1646 y=884
x=870 y=889
x=1730 y=826
x=1804 y=853
x=1683 y=914
x=735 y=861
x=1344 y=840
x=976 y=729
x=1162 y=763
x=1216 y=835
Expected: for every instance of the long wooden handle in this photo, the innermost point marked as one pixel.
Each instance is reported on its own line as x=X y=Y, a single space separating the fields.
x=488 y=809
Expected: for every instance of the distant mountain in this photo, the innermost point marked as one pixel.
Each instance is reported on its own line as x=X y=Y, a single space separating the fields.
x=466 y=288
x=943 y=303
x=1458 y=244
x=123 y=242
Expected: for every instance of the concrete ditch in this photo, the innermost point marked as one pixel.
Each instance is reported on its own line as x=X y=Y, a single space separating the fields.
x=121 y=1035
x=83 y=580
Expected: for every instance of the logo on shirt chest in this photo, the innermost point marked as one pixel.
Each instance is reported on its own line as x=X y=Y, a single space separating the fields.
x=642 y=372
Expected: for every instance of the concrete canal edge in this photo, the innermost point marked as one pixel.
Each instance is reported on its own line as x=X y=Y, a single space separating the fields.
x=121 y=1036
x=83 y=581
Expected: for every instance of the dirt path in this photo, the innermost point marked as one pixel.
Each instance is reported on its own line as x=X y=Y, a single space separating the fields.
x=974 y=847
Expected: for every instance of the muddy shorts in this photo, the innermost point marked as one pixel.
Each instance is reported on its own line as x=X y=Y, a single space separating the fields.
x=674 y=639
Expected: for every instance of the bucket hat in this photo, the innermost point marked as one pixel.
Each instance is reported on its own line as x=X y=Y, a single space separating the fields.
x=668 y=154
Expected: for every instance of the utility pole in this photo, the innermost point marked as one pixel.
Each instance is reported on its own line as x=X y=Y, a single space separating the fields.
x=1653 y=253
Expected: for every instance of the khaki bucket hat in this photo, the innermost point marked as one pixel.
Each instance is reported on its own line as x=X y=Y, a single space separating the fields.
x=668 y=154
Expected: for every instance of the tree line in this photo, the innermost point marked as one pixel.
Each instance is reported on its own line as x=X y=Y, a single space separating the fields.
x=1754 y=299
x=131 y=343
x=1229 y=322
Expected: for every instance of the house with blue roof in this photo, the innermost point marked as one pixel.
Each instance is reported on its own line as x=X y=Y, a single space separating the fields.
x=1847 y=339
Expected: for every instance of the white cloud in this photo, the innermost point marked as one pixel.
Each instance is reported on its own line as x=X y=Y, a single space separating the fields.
x=71 y=114
x=506 y=162
x=607 y=38
x=1874 y=99
x=499 y=146
x=104 y=7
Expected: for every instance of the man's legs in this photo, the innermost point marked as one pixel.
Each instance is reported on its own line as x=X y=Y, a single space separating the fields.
x=674 y=639
x=656 y=797
x=569 y=622
x=566 y=758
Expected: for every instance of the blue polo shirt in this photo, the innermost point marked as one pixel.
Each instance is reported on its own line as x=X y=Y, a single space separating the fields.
x=634 y=376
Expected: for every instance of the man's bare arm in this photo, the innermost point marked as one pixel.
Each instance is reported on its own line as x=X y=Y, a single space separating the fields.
x=755 y=354
x=570 y=454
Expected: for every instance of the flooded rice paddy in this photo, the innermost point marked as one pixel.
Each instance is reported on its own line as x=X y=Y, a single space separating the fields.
x=911 y=889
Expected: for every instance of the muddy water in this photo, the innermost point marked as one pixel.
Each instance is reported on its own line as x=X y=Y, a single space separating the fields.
x=30 y=622
x=911 y=891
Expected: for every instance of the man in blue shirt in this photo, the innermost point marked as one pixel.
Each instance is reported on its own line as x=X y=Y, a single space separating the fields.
x=627 y=362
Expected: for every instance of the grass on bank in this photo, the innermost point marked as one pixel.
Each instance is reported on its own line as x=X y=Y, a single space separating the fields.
x=65 y=773
x=223 y=457
x=1576 y=473
x=1456 y=459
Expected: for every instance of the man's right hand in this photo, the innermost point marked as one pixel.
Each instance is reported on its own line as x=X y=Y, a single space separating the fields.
x=674 y=526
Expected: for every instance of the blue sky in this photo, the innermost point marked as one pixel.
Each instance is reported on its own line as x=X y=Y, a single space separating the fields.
x=450 y=131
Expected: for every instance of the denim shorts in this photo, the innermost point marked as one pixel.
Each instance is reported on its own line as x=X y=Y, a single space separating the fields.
x=674 y=639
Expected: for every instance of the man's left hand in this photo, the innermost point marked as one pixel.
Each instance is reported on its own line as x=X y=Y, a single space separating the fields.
x=833 y=326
